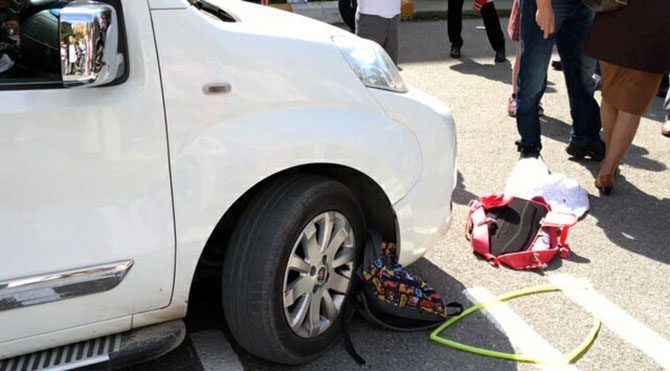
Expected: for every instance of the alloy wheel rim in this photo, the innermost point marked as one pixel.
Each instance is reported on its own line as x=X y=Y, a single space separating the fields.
x=318 y=274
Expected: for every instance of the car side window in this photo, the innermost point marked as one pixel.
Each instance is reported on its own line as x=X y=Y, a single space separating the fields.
x=33 y=53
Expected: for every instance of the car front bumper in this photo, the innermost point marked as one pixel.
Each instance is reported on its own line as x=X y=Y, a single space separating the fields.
x=424 y=215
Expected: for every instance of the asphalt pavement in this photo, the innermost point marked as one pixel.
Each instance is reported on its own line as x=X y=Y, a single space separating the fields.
x=621 y=249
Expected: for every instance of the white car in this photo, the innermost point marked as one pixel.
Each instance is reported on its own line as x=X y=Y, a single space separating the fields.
x=144 y=141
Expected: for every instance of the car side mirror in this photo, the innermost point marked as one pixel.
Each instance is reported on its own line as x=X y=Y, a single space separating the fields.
x=89 y=39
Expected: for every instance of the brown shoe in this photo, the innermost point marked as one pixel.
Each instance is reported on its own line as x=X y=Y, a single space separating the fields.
x=665 y=129
x=605 y=184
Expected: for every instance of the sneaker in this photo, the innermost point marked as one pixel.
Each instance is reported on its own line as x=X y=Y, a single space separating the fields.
x=511 y=106
x=665 y=129
x=595 y=150
x=501 y=56
x=455 y=52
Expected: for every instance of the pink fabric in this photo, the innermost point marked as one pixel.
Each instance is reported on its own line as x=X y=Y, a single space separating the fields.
x=514 y=26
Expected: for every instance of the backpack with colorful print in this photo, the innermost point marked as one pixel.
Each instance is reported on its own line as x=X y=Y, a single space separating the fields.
x=395 y=299
x=389 y=296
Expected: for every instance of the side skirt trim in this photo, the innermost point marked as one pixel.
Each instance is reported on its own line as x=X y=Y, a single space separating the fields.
x=56 y=286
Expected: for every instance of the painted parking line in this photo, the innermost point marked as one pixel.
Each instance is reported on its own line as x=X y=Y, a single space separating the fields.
x=524 y=339
x=215 y=352
x=616 y=319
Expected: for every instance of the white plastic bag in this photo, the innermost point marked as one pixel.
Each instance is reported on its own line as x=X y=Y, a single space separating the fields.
x=531 y=178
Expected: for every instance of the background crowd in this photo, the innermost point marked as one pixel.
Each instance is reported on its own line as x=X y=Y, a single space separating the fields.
x=631 y=45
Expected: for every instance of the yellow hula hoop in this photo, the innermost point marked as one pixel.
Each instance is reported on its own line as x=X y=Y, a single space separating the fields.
x=565 y=359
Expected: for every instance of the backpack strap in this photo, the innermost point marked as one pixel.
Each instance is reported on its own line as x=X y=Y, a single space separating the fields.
x=370 y=254
x=347 y=316
x=403 y=325
x=563 y=222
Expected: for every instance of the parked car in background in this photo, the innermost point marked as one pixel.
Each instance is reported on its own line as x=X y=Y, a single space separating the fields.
x=144 y=141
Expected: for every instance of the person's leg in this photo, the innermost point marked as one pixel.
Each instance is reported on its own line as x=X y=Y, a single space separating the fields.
x=665 y=87
x=493 y=28
x=578 y=70
x=608 y=115
x=455 y=22
x=623 y=132
x=515 y=69
x=391 y=44
x=532 y=81
x=665 y=130
x=348 y=13
x=511 y=102
x=371 y=27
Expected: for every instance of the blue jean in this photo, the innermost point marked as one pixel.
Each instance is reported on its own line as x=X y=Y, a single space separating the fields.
x=573 y=20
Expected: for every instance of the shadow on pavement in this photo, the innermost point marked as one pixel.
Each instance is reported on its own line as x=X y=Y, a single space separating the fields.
x=490 y=71
x=461 y=195
x=381 y=348
x=634 y=220
x=427 y=41
x=657 y=112
x=385 y=349
x=636 y=157
x=629 y=217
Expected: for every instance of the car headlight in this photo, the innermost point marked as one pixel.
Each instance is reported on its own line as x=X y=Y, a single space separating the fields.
x=370 y=63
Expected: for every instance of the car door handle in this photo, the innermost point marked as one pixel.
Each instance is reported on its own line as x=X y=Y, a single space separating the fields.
x=217 y=88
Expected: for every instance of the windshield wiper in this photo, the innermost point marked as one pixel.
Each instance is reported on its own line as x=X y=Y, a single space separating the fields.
x=212 y=9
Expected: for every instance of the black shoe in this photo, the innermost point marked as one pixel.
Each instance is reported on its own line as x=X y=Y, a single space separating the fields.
x=500 y=56
x=595 y=150
x=455 y=52
x=557 y=65
x=527 y=152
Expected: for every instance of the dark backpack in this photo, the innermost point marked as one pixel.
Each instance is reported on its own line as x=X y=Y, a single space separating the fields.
x=390 y=297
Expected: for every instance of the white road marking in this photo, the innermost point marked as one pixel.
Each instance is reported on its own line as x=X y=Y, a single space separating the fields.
x=616 y=319
x=215 y=352
x=524 y=339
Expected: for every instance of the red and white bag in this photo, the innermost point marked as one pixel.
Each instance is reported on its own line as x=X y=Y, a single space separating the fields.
x=522 y=234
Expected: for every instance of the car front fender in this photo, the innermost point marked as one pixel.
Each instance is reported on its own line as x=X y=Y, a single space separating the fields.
x=226 y=160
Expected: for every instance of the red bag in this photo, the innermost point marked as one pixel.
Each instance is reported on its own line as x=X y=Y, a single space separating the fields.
x=522 y=234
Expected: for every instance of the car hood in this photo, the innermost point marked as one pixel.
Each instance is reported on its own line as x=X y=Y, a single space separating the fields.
x=276 y=22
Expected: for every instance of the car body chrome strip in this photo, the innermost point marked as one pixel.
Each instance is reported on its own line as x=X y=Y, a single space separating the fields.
x=50 y=287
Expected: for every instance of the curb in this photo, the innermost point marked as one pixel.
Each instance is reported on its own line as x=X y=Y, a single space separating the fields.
x=432 y=15
x=328 y=11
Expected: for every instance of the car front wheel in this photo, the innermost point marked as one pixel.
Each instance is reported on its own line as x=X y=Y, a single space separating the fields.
x=289 y=267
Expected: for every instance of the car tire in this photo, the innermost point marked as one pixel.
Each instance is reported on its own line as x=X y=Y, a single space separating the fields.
x=278 y=228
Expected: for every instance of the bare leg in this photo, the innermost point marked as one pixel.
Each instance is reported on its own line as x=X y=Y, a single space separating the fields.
x=608 y=116
x=622 y=135
x=515 y=69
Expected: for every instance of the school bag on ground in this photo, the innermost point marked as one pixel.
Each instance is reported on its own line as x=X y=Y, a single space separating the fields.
x=390 y=297
x=519 y=233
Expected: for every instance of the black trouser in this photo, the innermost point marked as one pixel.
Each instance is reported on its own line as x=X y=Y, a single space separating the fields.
x=348 y=12
x=491 y=22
